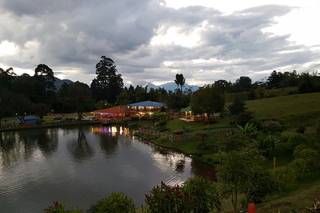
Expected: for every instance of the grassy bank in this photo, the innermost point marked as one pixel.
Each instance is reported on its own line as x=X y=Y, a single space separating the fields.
x=202 y=139
x=297 y=199
x=292 y=110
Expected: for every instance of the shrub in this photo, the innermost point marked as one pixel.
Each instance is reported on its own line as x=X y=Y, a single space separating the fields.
x=244 y=117
x=305 y=163
x=249 y=129
x=165 y=198
x=301 y=129
x=271 y=126
x=318 y=129
x=295 y=140
x=57 y=207
x=267 y=146
x=289 y=141
x=261 y=183
x=115 y=202
x=285 y=177
x=197 y=195
x=203 y=195
x=237 y=107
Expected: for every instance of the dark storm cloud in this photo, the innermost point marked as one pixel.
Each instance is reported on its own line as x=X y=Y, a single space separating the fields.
x=75 y=33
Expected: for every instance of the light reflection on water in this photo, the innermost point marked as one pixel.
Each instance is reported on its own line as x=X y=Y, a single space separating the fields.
x=78 y=166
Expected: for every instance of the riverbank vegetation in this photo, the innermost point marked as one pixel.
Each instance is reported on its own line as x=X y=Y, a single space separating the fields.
x=282 y=152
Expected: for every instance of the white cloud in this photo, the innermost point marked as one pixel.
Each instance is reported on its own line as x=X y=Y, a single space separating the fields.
x=8 y=48
x=205 y=40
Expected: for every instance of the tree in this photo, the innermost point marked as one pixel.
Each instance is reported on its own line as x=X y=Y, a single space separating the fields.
x=108 y=84
x=309 y=83
x=208 y=99
x=180 y=81
x=45 y=73
x=237 y=107
x=223 y=84
x=6 y=77
x=75 y=97
x=177 y=100
x=243 y=83
x=43 y=85
x=243 y=172
x=203 y=195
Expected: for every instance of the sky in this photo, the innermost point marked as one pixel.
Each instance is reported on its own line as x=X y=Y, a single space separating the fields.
x=152 y=40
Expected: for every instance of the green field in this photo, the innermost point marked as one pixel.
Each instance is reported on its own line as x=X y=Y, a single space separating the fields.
x=292 y=110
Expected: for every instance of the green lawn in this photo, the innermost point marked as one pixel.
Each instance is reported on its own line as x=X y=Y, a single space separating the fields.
x=178 y=124
x=294 y=110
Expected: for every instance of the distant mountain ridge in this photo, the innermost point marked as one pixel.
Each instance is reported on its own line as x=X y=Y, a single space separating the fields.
x=59 y=82
x=171 y=86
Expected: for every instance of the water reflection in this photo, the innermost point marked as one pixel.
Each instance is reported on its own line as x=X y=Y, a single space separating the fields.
x=111 y=130
x=17 y=146
x=180 y=165
x=79 y=147
x=80 y=165
x=48 y=141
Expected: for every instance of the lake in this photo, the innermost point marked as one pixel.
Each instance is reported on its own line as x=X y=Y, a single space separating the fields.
x=78 y=166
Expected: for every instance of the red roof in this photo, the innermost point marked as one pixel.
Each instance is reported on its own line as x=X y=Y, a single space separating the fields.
x=112 y=110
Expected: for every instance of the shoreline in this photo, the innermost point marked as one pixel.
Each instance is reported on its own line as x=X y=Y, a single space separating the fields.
x=52 y=125
x=153 y=141
x=62 y=124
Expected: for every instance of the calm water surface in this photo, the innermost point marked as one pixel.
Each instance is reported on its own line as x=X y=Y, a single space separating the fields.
x=78 y=166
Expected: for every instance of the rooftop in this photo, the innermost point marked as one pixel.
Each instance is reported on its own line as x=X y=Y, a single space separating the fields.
x=147 y=104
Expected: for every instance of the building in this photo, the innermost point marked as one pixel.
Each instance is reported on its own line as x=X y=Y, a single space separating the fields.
x=112 y=113
x=30 y=120
x=145 y=108
x=125 y=112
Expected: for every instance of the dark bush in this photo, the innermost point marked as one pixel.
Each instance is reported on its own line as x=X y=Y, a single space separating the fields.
x=271 y=126
x=203 y=195
x=285 y=177
x=301 y=129
x=289 y=141
x=244 y=117
x=115 y=202
x=57 y=207
x=261 y=184
x=165 y=198
x=237 y=107
x=306 y=162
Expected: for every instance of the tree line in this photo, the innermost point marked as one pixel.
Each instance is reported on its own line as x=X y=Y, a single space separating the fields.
x=36 y=94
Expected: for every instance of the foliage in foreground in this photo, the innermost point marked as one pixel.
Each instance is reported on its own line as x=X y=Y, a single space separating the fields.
x=116 y=202
x=196 y=195
x=241 y=172
x=57 y=207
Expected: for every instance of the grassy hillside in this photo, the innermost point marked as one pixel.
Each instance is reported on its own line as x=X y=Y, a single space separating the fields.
x=297 y=200
x=293 y=110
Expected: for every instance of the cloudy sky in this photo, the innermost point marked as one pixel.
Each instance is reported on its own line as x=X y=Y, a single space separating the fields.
x=152 y=40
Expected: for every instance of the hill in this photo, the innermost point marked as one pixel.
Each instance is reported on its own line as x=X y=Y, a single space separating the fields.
x=293 y=110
